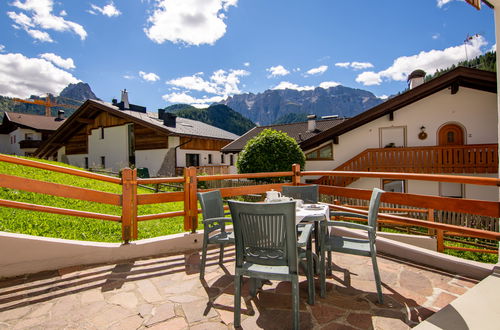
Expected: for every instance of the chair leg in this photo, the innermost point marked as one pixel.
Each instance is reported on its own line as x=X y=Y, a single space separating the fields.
x=295 y=302
x=322 y=274
x=237 y=300
x=221 y=254
x=203 y=259
x=310 y=278
x=377 y=278
x=329 y=265
x=254 y=283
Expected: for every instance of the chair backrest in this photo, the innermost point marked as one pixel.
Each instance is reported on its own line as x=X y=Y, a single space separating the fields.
x=373 y=208
x=265 y=233
x=211 y=204
x=309 y=194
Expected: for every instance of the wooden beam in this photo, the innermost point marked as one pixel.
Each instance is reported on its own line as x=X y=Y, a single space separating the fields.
x=391 y=116
x=335 y=139
x=454 y=88
x=85 y=120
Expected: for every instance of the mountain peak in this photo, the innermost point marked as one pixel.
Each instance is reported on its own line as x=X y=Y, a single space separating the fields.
x=80 y=92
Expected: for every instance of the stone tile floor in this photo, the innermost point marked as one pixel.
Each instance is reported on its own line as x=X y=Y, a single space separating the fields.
x=166 y=293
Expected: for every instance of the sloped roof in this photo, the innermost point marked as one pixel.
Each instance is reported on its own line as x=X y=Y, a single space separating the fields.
x=459 y=77
x=89 y=109
x=297 y=131
x=36 y=122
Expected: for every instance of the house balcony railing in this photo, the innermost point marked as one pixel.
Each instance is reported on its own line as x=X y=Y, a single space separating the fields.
x=466 y=159
x=206 y=170
x=28 y=144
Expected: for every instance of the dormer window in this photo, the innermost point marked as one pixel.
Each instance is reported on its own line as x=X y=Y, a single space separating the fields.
x=323 y=153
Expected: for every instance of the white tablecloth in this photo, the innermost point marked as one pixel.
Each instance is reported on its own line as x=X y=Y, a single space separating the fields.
x=309 y=214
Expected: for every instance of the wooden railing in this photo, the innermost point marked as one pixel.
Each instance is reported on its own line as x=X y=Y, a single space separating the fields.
x=206 y=170
x=130 y=199
x=477 y=158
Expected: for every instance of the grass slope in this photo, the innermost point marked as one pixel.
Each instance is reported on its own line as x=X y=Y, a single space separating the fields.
x=61 y=226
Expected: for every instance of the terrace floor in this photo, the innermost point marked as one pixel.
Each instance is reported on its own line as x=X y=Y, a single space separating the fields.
x=166 y=293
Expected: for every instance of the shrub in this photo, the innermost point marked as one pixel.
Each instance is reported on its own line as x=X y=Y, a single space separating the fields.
x=270 y=151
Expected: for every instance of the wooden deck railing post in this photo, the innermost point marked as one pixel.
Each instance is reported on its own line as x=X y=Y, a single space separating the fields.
x=190 y=199
x=440 y=240
x=129 y=204
x=430 y=217
x=296 y=174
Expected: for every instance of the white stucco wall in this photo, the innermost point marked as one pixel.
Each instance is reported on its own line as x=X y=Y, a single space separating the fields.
x=77 y=160
x=4 y=144
x=114 y=147
x=7 y=147
x=152 y=159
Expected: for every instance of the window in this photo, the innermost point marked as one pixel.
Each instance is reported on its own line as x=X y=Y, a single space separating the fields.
x=86 y=162
x=393 y=185
x=28 y=136
x=222 y=158
x=323 y=153
x=102 y=133
x=450 y=137
x=210 y=158
x=192 y=160
x=231 y=160
x=103 y=162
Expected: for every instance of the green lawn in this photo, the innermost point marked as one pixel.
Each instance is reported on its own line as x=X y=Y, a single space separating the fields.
x=53 y=225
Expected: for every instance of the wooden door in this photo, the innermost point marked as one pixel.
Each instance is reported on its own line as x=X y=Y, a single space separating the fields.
x=451 y=135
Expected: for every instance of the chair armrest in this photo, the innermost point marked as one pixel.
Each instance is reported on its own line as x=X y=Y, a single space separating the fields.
x=213 y=224
x=217 y=220
x=347 y=214
x=305 y=233
x=347 y=225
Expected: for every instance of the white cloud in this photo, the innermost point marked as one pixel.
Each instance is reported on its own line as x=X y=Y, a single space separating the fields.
x=441 y=3
x=436 y=36
x=129 y=77
x=317 y=71
x=63 y=13
x=193 y=22
x=59 y=61
x=188 y=99
x=221 y=82
x=276 y=71
x=354 y=65
x=289 y=85
x=383 y=97
x=492 y=49
x=21 y=76
x=149 y=76
x=361 y=65
x=39 y=17
x=2 y=48
x=343 y=64
x=328 y=84
x=109 y=10
x=247 y=64
x=428 y=61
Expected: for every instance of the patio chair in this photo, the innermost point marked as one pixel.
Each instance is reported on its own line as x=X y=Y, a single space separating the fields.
x=364 y=247
x=309 y=194
x=213 y=221
x=267 y=249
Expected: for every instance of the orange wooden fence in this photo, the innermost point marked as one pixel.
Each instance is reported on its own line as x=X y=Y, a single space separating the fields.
x=129 y=199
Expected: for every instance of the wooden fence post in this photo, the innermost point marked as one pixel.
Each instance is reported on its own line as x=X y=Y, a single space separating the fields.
x=296 y=174
x=129 y=204
x=440 y=240
x=430 y=217
x=190 y=199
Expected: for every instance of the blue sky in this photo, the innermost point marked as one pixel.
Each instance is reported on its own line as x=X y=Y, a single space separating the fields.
x=200 y=51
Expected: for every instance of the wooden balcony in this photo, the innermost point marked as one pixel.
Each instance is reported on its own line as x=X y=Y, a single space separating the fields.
x=469 y=159
x=206 y=170
x=27 y=144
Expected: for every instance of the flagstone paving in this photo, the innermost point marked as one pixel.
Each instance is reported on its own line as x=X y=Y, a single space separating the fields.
x=166 y=293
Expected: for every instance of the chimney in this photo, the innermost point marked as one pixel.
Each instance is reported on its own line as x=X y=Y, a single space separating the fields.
x=126 y=105
x=161 y=112
x=60 y=115
x=416 y=78
x=311 y=123
x=169 y=119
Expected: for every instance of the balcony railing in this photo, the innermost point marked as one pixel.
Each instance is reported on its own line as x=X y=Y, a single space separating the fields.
x=467 y=159
x=27 y=144
x=206 y=170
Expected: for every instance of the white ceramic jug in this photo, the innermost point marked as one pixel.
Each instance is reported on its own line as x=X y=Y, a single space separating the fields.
x=272 y=195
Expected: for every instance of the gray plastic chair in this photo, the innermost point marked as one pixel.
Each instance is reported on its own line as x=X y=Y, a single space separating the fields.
x=309 y=194
x=267 y=249
x=363 y=247
x=213 y=220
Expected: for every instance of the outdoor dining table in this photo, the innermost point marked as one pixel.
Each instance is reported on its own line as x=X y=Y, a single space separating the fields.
x=314 y=213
